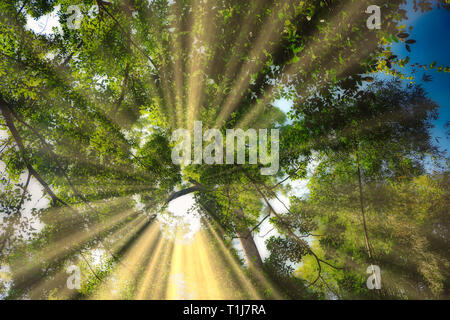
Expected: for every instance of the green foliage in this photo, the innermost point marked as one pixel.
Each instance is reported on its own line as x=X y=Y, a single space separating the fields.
x=89 y=112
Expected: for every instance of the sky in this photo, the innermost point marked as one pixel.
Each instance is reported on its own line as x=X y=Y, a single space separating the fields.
x=431 y=31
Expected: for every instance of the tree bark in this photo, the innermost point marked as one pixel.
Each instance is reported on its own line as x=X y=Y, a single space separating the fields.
x=361 y=202
x=248 y=245
x=177 y=194
x=250 y=249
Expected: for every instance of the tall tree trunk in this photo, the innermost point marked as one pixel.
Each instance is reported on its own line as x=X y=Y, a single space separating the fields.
x=366 y=233
x=361 y=202
x=248 y=245
x=250 y=249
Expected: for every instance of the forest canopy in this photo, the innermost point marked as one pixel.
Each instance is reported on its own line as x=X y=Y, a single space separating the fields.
x=88 y=114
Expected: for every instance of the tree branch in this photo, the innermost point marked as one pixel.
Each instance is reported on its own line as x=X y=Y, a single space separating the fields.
x=21 y=8
x=301 y=242
x=6 y=112
x=122 y=93
x=178 y=194
x=25 y=188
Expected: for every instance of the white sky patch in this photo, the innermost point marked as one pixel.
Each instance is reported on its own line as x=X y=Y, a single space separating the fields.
x=266 y=229
x=98 y=256
x=5 y=281
x=3 y=134
x=37 y=201
x=283 y=104
x=45 y=24
x=181 y=214
x=299 y=188
x=50 y=56
x=139 y=205
x=102 y=82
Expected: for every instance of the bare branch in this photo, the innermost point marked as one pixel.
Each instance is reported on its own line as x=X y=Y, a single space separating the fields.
x=178 y=194
x=25 y=188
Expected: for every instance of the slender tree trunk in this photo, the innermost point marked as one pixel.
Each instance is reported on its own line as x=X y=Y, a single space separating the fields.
x=248 y=245
x=250 y=249
x=366 y=233
x=361 y=202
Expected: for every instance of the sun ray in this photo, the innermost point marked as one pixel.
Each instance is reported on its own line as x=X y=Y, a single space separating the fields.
x=150 y=270
x=263 y=47
x=47 y=284
x=235 y=266
x=121 y=283
x=302 y=63
x=201 y=38
x=68 y=243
